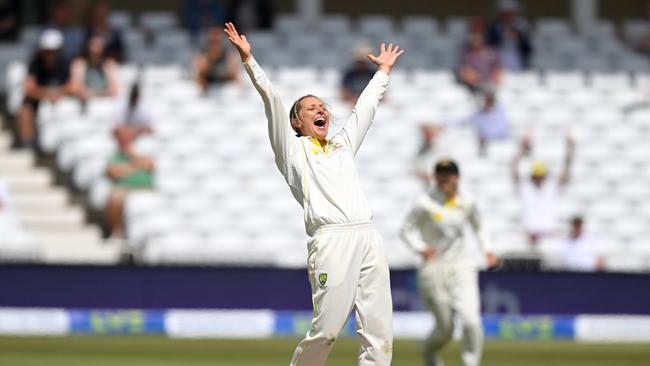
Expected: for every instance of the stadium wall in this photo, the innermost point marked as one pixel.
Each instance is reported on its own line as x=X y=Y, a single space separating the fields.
x=151 y=288
x=231 y=323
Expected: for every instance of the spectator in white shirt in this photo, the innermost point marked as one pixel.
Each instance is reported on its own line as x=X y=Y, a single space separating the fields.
x=539 y=194
x=133 y=117
x=579 y=252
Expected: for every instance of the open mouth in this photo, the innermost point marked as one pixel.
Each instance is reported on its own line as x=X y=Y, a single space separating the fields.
x=320 y=122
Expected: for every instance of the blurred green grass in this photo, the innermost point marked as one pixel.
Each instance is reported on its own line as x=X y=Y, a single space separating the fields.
x=159 y=351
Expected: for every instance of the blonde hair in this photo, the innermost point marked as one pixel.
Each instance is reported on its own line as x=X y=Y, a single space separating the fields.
x=295 y=109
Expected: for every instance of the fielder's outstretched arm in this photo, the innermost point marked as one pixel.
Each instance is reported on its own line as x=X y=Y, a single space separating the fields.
x=364 y=111
x=283 y=141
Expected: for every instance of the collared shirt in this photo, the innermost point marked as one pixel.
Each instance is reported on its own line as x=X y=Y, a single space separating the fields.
x=324 y=181
x=438 y=223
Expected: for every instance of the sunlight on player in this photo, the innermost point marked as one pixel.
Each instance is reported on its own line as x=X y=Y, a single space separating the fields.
x=346 y=259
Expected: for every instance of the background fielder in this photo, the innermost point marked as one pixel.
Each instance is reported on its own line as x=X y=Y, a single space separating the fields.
x=448 y=275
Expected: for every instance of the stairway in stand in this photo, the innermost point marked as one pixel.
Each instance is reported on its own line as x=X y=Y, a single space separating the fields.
x=57 y=229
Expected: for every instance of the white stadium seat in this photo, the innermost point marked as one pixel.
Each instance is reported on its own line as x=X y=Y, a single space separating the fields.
x=219 y=198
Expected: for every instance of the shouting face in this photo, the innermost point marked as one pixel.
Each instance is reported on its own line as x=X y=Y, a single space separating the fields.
x=311 y=118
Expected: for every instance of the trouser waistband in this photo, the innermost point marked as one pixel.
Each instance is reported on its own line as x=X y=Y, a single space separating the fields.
x=341 y=228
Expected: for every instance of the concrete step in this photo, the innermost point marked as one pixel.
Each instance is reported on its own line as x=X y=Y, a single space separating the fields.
x=74 y=248
x=71 y=219
x=41 y=201
x=16 y=160
x=37 y=180
x=88 y=233
x=5 y=141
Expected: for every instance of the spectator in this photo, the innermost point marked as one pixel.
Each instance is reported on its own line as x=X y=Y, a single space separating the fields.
x=133 y=117
x=93 y=73
x=215 y=65
x=509 y=34
x=61 y=20
x=129 y=171
x=99 y=27
x=9 y=20
x=251 y=14
x=357 y=75
x=48 y=79
x=490 y=121
x=479 y=63
x=201 y=15
x=579 y=251
x=539 y=194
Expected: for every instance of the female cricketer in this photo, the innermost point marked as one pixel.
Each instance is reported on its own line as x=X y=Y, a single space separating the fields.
x=448 y=276
x=347 y=264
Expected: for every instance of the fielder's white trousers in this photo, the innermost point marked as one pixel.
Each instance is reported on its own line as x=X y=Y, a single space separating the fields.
x=348 y=271
x=448 y=289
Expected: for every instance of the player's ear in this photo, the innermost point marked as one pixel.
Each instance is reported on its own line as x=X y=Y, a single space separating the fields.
x=296 y=124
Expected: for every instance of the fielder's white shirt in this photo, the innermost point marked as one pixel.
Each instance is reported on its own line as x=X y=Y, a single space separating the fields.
x=323 y=181
x=438 y=223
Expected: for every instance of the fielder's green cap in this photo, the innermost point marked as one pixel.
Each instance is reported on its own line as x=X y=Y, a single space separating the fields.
x=446 y=166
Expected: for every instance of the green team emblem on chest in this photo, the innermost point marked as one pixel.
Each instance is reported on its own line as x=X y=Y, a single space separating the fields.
x=322 y=279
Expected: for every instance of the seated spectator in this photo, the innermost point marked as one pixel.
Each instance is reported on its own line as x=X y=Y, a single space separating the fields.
x=9 y=20
x=509 y=35
x=100 y=27
x=479 y=63
x=357 y=75
x=48 y=79
x=201 y=15
x=93 y=73
x=129 y=171
x=215 y=65
x=539 y=194
x=579 y=251
x=490 y=121
x=132 y=115
x=61 y=19
x=251 y=14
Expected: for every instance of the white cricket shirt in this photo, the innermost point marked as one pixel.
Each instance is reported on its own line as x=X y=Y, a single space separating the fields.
x=324 y=181
x=438 y=223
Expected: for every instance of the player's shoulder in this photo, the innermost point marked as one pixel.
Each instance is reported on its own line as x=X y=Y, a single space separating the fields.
x=467 y=199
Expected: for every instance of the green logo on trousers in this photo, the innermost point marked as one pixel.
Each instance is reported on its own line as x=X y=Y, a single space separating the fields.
x=322 y=279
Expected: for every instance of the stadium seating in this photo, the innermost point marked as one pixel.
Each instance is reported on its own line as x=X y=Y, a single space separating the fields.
x=220 y=200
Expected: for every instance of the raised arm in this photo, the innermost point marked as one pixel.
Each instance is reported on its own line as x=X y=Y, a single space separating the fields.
x=524 y=147
x=282 y=136
x=565 y=176
x=364 y=111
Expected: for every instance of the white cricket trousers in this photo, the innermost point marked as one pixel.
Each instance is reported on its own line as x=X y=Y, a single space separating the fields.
x=450 y=288
x=348 y=271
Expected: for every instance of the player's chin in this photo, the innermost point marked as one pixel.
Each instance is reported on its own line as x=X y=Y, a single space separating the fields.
x=321 y=131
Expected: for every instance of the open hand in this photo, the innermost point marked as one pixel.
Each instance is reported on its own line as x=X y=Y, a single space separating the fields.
x=243 y=47
x=387 y=57
x=428 y=253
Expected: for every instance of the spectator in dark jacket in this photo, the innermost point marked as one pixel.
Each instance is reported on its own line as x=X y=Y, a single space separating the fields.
x=509 y=35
